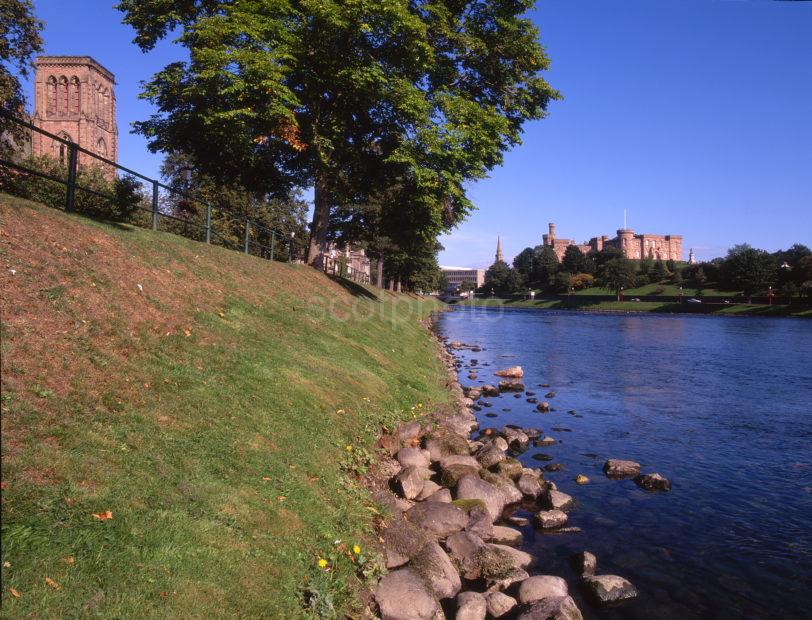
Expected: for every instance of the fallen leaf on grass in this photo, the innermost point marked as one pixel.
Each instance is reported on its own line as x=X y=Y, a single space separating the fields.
x=14 y=593
x=69 y=560
x=52 y=583
x=281 y=498
x=187 y=333
x=3 y=485
x=265 y=478
x=103 y=516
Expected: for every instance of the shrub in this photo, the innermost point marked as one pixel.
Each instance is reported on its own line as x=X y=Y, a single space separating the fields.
x=109 y=197
x=582 y=280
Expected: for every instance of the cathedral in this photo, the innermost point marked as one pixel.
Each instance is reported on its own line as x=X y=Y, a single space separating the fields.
x=74 y=99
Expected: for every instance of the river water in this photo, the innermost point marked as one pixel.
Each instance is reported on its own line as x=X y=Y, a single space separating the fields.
x=721 y=406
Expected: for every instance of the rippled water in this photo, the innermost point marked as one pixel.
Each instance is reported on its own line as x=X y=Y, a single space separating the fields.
x=720 y=406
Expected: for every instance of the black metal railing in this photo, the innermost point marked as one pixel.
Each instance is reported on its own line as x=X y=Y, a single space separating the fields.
x=256 y=238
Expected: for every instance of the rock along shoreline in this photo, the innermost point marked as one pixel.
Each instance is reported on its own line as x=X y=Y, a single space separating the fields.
x=449 y=543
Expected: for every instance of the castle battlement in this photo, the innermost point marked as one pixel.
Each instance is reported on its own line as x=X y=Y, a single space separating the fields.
x=635 y=246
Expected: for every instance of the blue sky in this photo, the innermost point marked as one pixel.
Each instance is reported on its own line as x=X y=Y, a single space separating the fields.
x=693 y=115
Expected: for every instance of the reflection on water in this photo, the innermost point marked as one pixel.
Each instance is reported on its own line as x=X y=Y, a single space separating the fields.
x=720 y=406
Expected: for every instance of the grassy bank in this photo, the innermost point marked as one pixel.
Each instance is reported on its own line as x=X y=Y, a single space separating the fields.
x=182 y=424
x=646 y=306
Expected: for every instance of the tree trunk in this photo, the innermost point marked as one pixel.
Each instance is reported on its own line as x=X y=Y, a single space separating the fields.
x=400 y=286
x=320 y=223
x=379 y=274
x=392 y=284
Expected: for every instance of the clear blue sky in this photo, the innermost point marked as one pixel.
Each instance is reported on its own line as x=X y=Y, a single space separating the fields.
x=693 y=115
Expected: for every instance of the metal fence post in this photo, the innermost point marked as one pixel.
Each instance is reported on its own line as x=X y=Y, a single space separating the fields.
x=208 y=223
x=273 y=242
x=155 y=205
x=73 y=156
x=247 y=231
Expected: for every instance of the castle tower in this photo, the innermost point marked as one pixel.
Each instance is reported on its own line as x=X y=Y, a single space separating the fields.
x=551 y=235
x=499 y=257
x=74 y=99
x=691 y=257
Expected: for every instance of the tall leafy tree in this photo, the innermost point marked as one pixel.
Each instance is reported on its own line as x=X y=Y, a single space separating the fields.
x=574 y=260
x=616 y=274
x=19 y=40
x=749 y=269
x=320 y=92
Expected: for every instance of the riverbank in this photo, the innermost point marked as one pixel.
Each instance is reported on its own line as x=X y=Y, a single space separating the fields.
x=186 y=429
x=452 y=539
x=580 y=305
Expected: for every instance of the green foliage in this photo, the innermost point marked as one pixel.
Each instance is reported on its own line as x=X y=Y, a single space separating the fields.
x=582 y=280
x=658 y=272
x=563 y=281
x=575 y=261
x=427 y=95
x=20 y=39
x=500 y=279
x=617 y=274
x=119 y=200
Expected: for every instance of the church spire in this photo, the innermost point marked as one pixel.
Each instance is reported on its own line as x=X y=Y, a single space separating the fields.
x=499 y=257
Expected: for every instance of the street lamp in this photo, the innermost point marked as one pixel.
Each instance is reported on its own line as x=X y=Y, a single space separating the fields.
x=290 y=247
x=680 y=294
x=770 y=295
x=620 y=298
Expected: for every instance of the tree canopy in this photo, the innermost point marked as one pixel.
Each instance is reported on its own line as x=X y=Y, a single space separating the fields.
x=330 y=94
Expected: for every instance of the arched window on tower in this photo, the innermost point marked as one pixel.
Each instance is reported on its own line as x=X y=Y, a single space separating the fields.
x=60 y=149
x=75 y=95
x=62 y=96
x=50 y=96
x=101 y=147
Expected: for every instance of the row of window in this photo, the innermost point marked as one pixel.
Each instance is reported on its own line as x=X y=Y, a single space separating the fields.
x=63 y=97
x=60 y=149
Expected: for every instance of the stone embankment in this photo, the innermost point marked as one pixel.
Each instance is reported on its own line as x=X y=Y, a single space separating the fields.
x=449 y=546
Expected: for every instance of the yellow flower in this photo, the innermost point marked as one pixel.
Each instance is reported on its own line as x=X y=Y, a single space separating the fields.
x=349 y=448
x=322 y=563
x=356 y=549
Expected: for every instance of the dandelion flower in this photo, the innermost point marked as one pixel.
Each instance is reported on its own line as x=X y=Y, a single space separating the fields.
x=349 y=448
x=322 y=563
x=356 y=549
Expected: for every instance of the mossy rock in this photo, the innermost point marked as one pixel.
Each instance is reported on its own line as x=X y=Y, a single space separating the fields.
x=445 y=443
x=452 y=474
x=494 y=563
x=509 y=468
x=467 y=505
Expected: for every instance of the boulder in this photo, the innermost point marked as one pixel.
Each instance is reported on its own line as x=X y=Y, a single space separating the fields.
x=604 y=589
x=464 y=548
x=445 y=443
x=490 y=390
x=471 y=487
x=518 y=521
x=500 y=443
x=584 y=563
x=429 y=489
x=549 y=395
x=506 y=536
x=550 y=519
x=514 y=372
x=493 y=563
x=543 y=406
x=414 y=457
x=471 y=606
x=559 y=608
x=581 y=479
x=506 y=580
x=489 y=455
x=479 y=519
x=409 y=481
x=392 y=502
x=401 y=542
x=451 y=475
x=516 y=438
x=546 y=441
x=443 y=495
x=499 y=604
x=437 y=519
x=509 y=468
x=616 y=468
x=511 y=494
x=522 y=559
x=472 y=376
x=472 y=392
x=409 y=432
x=551 y=467
x=530 y=486
x=511 y=385
x=402 y=595
x=653 y=482
x=458 y=459
x=437 y=571
x=556 y=500
x=540 y=587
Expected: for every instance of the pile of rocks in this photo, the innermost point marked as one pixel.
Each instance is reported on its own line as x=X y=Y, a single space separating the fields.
x=449 y=545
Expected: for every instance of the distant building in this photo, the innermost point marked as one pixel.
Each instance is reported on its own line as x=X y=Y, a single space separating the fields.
x=499 y=257
x=74 y=99
x=455 y=276
x=634 y=246
x=332 y=259
x=691 y=257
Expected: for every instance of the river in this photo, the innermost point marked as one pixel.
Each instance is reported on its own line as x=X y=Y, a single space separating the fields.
x=721 y=406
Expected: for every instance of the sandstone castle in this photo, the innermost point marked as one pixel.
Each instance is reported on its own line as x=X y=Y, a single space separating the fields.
x=74 y=99
x=634 y=246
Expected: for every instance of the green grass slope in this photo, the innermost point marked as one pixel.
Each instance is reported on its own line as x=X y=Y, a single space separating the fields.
x=215 y=406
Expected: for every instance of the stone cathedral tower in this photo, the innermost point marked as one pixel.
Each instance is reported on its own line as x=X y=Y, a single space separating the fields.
x=499 y=257
x=74 y=99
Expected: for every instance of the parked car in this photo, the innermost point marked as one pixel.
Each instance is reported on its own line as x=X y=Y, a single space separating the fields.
x=694 y=300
